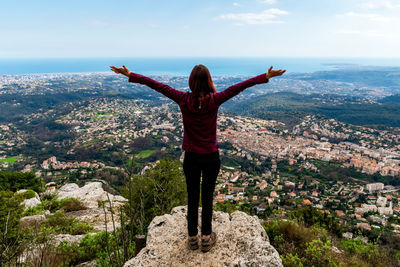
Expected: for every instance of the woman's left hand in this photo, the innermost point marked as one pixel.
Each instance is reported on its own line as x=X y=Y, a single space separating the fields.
x=273 y=73
x=124 y=70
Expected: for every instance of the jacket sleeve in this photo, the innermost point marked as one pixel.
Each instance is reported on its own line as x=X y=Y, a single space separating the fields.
x=233 y=90
x=164 y=89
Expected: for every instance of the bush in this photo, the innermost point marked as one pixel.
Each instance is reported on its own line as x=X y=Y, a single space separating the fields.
x=319 y=253
x=10 y=214
x=60 y=223
x=312 y=216
x=154 y=193
x=36 y=210
x=366 y=254
x=28 y=194
x=289 y=236
x=50 y=202
x=299 y=245
x=71 y=204
x=97 y=246
x=292 y=260
x=226 y=207
x=14 y=181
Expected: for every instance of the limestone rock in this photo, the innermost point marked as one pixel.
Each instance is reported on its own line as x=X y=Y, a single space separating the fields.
x=336 y=250
x=34 y=220
x=57 y=239
x=241 y=241
x=95 y=217
x=32 y=255
x=88 y=264
x=69 y=187
x=90 y=194
x=30 y=202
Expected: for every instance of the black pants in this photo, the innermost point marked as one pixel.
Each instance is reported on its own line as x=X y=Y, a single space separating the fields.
x=194 y=166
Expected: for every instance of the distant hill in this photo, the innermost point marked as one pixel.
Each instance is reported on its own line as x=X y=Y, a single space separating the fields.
x=290 y=107
x=391 y=100
x=363 y=76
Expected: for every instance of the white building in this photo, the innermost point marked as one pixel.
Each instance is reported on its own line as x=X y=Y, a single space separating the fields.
x=381 y=201
x=375 y=187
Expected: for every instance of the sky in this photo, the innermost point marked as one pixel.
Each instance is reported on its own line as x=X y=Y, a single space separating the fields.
x=199 y=28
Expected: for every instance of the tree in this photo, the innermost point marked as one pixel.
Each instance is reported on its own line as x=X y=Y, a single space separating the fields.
x=14 y=181
x=311 y=216
x=155 y=193
x=10 y=235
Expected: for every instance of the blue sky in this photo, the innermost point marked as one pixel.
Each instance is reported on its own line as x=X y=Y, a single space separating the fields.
x=199 y=28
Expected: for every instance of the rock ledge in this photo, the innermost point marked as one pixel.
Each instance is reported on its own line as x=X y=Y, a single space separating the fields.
x=241 y=241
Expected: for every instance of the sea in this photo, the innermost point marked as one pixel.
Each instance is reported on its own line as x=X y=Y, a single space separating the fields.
x=219 y=66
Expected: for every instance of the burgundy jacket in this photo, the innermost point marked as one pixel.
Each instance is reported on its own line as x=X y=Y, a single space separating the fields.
x=200 y=126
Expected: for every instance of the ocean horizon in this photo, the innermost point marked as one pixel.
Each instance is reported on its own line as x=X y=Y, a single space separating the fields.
x=182 y=66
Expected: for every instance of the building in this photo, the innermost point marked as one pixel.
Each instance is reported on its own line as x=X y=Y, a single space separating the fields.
x=381 y=201
x=375 y=187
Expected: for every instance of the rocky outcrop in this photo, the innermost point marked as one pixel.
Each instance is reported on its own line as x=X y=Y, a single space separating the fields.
x=32 y=221
x=241 y=241
x=88 y=264
x=96 y=218
x=57 y=239
x=33 y=254
x=30 y=202
x=90 y=194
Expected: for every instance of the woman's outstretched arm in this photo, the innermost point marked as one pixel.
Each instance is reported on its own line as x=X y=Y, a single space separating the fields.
x=164 y=89
x=233 y=90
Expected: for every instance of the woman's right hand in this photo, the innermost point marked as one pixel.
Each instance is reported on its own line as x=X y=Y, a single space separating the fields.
x=124 y=70
x=273 y=73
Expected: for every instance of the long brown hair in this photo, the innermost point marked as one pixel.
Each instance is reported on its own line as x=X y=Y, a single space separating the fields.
x=200 y=81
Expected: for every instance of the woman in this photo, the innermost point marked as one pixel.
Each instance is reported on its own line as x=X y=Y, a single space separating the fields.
x=199 y=112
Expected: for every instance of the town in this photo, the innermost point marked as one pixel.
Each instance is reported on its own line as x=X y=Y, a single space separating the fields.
x=320 y=162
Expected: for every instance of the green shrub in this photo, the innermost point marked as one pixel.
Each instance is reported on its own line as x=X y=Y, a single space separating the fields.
x=292 y=260
x=312 y=216
x=10 y=234
x=36 y=210
x=299 y=245
x=226 y=207
x=155 y=193
x=97 y=246
x=48 y=195
x=319 y=253
x=369 y=254
x=50 y=202
x=71 y=204
x=288 y=236
x=60 y=223
x=28 y=194
x=15 y=181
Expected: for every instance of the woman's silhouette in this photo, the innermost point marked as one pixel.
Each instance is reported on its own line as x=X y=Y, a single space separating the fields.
x=199 y=112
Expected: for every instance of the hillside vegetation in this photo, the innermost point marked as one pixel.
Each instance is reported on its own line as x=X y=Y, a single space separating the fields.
x=290 y=108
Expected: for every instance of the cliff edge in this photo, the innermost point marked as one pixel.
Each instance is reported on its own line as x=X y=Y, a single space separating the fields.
x=241 y=241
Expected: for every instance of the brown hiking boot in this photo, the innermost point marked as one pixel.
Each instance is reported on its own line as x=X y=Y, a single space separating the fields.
x=193 y=242
x=208 y=242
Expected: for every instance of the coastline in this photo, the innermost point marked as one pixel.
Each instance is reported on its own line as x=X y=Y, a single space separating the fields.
x=182 y=66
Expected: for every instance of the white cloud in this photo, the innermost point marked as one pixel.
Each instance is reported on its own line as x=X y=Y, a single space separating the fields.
x=153 y=25
x=271 y=2
x=97 y=22
x=267 y=16
x=370 y=16
x=367 y=33
x=380 y=4
x=236 y=4
x=349 y=32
